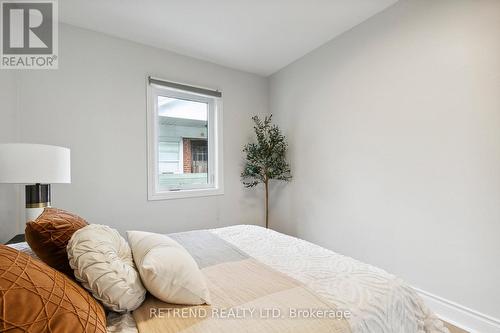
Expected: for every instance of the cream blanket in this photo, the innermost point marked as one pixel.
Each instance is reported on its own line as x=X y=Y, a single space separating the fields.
x=378 y=301
x=247 y=296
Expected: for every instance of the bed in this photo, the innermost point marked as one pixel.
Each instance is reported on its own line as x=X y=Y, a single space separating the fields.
x=307 y=279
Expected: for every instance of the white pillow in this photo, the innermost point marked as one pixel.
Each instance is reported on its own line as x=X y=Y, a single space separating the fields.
x=102 y=262
x=167 y=270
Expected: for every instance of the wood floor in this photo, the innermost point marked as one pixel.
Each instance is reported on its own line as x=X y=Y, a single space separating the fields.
x=454 y=329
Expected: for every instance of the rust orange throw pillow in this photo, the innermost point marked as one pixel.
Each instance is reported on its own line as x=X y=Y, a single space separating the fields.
x=37 y=298
x=49 y=234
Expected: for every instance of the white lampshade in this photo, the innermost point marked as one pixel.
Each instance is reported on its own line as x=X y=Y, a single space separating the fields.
x=22 y=163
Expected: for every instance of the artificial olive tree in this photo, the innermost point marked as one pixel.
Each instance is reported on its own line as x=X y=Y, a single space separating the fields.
x=266 y=158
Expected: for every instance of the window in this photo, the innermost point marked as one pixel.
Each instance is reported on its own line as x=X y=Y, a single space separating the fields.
x=184 y=141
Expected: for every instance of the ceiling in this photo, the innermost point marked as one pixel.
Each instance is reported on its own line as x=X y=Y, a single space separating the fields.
x=257 y=36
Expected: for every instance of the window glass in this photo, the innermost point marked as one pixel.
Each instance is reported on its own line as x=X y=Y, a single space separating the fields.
x=182 y=143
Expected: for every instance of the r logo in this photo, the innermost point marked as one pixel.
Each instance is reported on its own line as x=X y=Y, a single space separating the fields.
x=27 y=28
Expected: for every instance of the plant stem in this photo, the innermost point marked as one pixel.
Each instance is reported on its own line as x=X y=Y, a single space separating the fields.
x=266 y=183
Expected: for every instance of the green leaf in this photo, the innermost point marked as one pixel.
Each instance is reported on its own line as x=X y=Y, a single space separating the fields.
x=265 y=158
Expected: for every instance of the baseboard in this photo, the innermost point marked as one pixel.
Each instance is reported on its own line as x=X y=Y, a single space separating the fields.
x=470 y=320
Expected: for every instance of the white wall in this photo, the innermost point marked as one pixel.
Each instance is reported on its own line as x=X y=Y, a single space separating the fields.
x=394 y=131
x=8 y=132
x=95 y=104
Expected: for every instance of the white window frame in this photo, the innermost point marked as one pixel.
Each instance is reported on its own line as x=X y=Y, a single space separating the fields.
x=215 y=159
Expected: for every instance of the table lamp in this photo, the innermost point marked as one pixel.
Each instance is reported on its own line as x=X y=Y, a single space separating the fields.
x=37 y=166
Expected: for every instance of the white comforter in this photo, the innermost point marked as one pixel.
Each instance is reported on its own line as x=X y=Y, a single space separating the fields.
x=377 y=300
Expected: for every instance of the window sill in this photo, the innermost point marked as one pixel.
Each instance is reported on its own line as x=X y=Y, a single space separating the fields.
x=182 y=194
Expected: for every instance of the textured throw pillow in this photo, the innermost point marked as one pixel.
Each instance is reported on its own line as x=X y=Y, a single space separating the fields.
x=49 y=234
x=102 y=262
x=37 y=298
x=167 y=270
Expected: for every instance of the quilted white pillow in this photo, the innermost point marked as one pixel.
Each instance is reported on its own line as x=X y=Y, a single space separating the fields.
x=167 y=270
x=102 y=262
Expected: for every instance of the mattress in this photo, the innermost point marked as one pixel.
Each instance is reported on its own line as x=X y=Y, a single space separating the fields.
x=375 y=300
